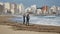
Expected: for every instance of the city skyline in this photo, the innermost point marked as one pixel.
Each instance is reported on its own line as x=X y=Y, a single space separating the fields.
x=39 y=3
x=13 y=8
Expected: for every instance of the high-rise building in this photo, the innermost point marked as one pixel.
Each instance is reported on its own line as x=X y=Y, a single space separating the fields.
x=45 y=10
x=39 y=11
x=7 y=7
x=28 y=10
x=50 y=11
x=58 y=9
x=1 y=8
x=54 y=10
x=33 y=8
x=21 y=8
x=13 y=8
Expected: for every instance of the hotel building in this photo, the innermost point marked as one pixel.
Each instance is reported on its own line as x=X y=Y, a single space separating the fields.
x=7 y=8
x=1 y=8
x=21 y=8
x=54 y=10
x=39 y=11
x=14 y=8
x=33 y=9
x=45 y=10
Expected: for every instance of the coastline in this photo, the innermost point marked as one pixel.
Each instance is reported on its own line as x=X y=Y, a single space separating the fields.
x=33 y=27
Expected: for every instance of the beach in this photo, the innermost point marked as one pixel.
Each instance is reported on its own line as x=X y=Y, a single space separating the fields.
x=7 y=27
x=4 y=29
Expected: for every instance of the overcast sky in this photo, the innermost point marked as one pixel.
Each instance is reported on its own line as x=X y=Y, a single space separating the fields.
x=39 y=3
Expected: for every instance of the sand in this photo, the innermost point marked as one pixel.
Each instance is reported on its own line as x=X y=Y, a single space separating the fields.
x=5 y=29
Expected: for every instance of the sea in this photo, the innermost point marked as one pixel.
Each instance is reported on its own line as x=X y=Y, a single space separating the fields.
x=40 y=20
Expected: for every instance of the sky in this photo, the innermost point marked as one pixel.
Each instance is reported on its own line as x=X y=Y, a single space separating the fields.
x=39 y=3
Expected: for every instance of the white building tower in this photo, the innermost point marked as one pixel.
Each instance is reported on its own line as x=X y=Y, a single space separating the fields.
x=1 y=8
x=33 y=8
x=6 y=7
x=39 y=11
x=54 y=10
x=27 y=10
x=21 y=8
x=58 y=9
x=14 y=8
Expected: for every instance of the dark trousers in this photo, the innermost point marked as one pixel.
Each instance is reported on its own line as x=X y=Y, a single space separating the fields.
x=27 y=22
x=24 y=20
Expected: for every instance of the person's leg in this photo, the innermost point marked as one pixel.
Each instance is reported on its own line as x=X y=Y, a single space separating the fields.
x=28 y=22
x=24 y=21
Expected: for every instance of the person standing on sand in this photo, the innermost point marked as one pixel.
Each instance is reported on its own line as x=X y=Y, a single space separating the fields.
x=27 y=19
x=24 y=18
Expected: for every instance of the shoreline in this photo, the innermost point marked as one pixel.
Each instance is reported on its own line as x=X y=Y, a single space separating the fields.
x=32 y=27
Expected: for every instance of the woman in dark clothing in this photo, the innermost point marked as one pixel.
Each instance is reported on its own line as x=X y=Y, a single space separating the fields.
x=23 y=18
x=27 y=19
